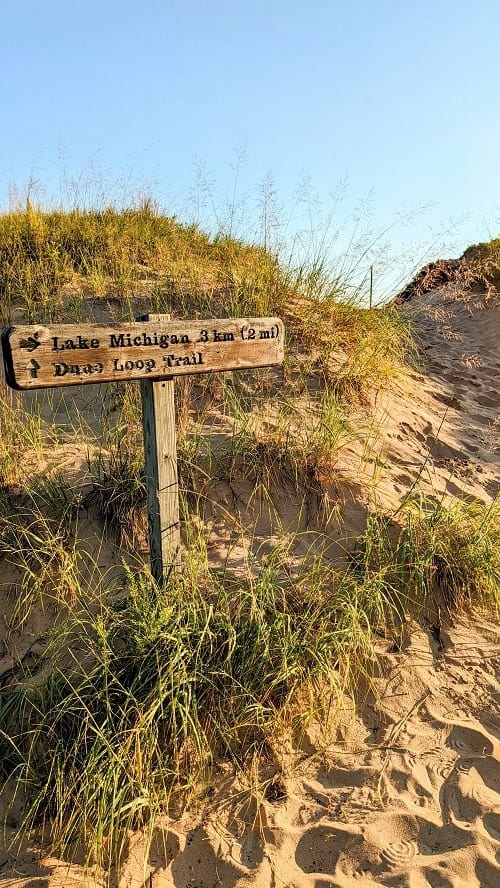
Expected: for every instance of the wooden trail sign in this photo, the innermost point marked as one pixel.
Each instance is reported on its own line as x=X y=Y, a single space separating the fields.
x=39 y=356
x=153 y=351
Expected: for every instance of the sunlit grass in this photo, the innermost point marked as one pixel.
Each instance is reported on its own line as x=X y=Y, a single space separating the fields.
x=146 y=688
x=166 y=681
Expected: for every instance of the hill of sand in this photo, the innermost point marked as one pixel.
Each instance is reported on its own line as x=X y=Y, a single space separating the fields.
x=405 y=791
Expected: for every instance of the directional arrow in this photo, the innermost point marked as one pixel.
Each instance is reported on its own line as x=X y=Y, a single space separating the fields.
x=33 y=368
x=31 y=343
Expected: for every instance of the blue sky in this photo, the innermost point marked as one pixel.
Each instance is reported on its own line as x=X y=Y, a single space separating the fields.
x=197 y=101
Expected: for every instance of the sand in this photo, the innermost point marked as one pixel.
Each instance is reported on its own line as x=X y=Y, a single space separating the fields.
x=406 y=790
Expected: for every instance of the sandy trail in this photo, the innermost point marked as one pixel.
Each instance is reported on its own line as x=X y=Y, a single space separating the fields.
x=411 y=797
x=407 y=794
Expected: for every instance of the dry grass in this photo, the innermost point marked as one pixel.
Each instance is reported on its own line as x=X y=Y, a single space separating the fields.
x=144 y=690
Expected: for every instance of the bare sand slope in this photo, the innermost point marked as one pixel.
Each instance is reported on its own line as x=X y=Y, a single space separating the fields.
x=434 y=430
x=406 y=793
x=444 y=422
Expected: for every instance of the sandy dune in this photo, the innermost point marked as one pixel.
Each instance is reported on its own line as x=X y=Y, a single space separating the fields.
x=406 y=792
x=410 y=798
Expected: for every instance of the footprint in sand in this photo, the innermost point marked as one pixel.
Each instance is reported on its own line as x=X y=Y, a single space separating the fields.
x=439 y=762
x=465 y=797
x=199 y=864
x=319 y=849
x=491 y=823
x=469 y=740
x=476 y=784
x=395 y=837
x=434 y=839
x=399 y=854
x=489 y=773
x=458 y=805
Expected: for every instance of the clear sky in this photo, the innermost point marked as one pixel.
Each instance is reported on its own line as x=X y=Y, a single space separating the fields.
x=200 y=100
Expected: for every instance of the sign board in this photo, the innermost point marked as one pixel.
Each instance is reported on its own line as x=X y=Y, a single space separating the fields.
x=38 y=356
x=152 y=351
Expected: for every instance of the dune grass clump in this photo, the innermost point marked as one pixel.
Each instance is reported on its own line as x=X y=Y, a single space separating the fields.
x=149 y=692
x=38 y=540
x=445 y=554
x=483 y=261
x=351 y=348
x=118 y=493
x=297 y=443
x=21 y=432
x=52 y=261
x=145 y=693
x=111 y=252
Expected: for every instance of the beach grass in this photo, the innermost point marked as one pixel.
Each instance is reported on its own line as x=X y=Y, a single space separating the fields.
x=142 y=689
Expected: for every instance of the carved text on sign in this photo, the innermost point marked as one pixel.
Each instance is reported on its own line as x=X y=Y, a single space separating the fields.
x=82 y=353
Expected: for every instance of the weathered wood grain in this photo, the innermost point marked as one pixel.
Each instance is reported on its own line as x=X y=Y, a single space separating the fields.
x=153 y=350
x=160 y=459
x=38 y=356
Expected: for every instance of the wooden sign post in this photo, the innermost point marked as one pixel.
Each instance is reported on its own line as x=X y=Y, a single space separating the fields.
x=160 y=463
x=153 y=350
